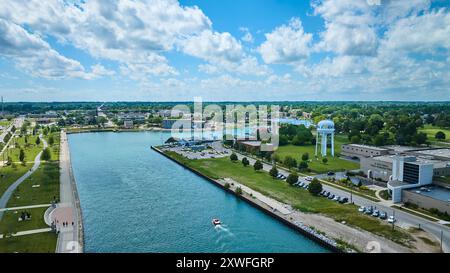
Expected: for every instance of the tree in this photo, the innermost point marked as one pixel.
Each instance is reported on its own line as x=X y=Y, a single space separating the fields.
x=258 y=165
x=303 y=165
x=290 y=162
x=38 y=141
x=22 y=155
x=245 y=162
x=305 y=157
x=51 y=140
x=355 y=139
x=315 y=187
x=292 y=178
x=239 y=190
x=233 y=157
x=324 y=160
x=274 y=171
x=440 y=135
x=46 y=155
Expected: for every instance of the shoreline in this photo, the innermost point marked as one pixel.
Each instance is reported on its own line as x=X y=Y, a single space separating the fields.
x=69 y=199
x=259 y=205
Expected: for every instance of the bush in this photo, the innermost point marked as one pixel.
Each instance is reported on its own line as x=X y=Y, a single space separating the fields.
x=238 y=190
x=233 y=157
x=273 y=172
x=324 y=160
x=290 y=162
x=315 y=187
x=46 y=155
x=292 y=178
x=21 y=155
x=38 y=141
x=303 y=165
x=258 y=165
x=226 y=185
x=245 y=162
x=440 y=135
x=305 y=157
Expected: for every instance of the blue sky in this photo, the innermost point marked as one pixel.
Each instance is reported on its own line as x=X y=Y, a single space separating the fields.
x=169 y=50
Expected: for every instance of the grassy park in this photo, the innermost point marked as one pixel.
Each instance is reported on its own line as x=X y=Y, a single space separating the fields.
x=315 y=164
x=34 y=243
x=431 y=131
x=298 y=198
x=42 y=187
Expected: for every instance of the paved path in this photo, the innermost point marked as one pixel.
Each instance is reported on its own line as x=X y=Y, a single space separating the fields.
x=26 y=207
x=9 y=192
x=29 y=232
x=404 y=219
x=70 y=240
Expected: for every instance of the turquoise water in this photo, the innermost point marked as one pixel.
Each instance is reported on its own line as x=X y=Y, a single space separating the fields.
x=135 y=200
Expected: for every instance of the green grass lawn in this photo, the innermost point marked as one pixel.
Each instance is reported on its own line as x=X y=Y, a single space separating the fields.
x=315 y=164
x=298 y=198
x=5 y=123
x=35 y=243
x=30 y=148
x=47 y=176
x=55 y=147
x=431 y=131
x=9 y=174
x=10 y=223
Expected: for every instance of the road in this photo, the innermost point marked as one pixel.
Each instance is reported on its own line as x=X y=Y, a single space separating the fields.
x=403 y=218
x=8 y=193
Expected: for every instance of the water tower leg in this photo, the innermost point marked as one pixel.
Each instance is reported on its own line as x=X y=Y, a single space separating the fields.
x=324 y=144
x=332 y=144
x=317 y=142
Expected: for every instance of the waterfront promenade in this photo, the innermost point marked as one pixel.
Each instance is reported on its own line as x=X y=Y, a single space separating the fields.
x=70 y=239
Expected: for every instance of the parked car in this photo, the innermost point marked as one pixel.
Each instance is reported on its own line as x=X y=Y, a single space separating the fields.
x=330 y=173
x=383 y=215
x=362 y=209
x=301 y=184
x=391 y=219
x=326 y=194
x=336 y=198
x=368 y=211
x=343 y=200
x=309 y=178
x=305 y=186
x=376 y=213
x=331 y=196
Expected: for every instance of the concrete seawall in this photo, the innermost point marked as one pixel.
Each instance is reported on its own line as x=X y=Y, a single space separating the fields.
x=256 y=204
x=70 y=239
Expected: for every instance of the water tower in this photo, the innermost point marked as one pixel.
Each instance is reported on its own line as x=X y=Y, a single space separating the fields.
x=325 y=128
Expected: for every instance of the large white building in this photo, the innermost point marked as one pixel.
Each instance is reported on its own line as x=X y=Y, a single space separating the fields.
x=408 y=172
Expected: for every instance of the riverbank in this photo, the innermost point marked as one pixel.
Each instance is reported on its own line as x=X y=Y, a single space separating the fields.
x=263 y=206
x=70 y=239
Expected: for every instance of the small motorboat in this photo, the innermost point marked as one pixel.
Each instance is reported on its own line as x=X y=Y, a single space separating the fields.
x=216 y=222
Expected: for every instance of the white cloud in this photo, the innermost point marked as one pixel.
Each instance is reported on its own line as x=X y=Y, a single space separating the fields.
x=248 y=37
x=286 y=44
x=35 y=56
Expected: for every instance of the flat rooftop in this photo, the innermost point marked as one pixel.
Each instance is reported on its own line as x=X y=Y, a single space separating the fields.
x=403 y=149
x=444 y=153
x=375 y=148
x=419 y=160
x=436 y=192
x=252 y=143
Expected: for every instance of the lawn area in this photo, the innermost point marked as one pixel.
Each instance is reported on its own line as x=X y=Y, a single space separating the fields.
x=10 y=223
x=55 y=147
x=431 y=131
x=298 y=198
x=35 y=243
x=5 y=123
x=9 y=174
x=316 y=165
x=30 y=148
x=47 y=177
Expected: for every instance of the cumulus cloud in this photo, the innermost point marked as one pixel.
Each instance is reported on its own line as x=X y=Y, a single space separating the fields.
x=286 y=44
x=248 y=37
x=35 y=56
